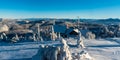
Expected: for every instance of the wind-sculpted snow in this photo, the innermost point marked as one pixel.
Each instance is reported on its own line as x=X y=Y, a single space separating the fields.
x=53 y=53
x=98 y=49
x=61 y=52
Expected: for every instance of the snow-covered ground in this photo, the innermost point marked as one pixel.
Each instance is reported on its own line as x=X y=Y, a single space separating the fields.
x=99 y=49
x=104 y=49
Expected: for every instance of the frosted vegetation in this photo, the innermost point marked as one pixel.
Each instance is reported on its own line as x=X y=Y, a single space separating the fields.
x=58 y=40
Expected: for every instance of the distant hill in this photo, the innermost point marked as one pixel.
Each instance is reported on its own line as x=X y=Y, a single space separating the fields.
x=91 y=21
x=102 y=21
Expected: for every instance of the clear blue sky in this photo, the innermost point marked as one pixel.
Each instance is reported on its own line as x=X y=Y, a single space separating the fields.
x=60 y=8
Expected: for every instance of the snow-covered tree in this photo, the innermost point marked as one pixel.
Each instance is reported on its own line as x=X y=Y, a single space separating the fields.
x=15 y=38
x=90 y=35
x=53 y=35
x=54 y=52
x=3 y=36
x=80 y=41
x=65 y=53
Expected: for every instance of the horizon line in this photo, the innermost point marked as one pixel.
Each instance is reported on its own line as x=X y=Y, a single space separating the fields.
x=55 y=18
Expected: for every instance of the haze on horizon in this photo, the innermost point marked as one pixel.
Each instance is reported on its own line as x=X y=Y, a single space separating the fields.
x=59 y=8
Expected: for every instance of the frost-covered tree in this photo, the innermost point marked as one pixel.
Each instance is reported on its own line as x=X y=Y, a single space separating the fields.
x=3 y=37
x=15 y=38
x=53 y=35
x=90 y=35
x=54 y=52
x=80 y=41
x=65 y=53
x=59 y=36
x=34 y=38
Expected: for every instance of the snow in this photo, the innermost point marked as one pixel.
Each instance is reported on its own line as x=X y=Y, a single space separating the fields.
x=99 y=49
x=104 y=49
x=3 y=28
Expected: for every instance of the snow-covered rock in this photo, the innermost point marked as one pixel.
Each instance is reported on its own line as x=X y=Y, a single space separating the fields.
x=84 y=56
x=90 y=35
x=47 y=53
x=3 y=28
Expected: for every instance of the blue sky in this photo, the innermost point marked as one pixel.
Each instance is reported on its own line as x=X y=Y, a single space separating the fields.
x=60 y=8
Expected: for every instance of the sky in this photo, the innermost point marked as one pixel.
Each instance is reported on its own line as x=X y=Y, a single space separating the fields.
x=96 y=9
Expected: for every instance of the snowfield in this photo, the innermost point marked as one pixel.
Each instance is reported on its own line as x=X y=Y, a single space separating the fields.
x=99 y=49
